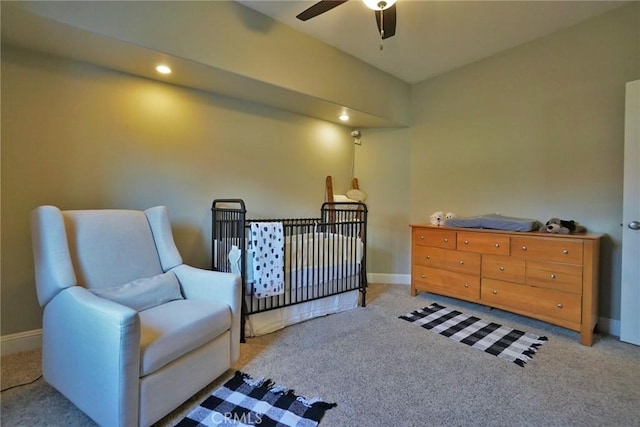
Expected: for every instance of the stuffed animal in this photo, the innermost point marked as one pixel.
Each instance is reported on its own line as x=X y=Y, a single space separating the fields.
x=561 y=226
x=450 y=215
x=437 y=218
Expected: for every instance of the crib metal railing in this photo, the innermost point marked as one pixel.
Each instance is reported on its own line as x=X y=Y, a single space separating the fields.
x=338 y=235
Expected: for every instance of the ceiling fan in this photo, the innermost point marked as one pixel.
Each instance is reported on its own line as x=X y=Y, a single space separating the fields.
x=385 y=12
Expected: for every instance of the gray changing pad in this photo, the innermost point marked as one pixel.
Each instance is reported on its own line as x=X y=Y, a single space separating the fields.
x=494 y=222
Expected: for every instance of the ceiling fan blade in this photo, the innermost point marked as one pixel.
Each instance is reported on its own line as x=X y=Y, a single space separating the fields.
x=319 y=8
x=389 y=20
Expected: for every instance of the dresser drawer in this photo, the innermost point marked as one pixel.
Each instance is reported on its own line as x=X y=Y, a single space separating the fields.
x=495 y=244
x=507 y=294
x=462 y=262
x=448 y=282
x=562 y=277
x=564 y=306
x=557 y=304
x=438 y=238
x=503 y=268
x=428 y=256
x=548 y=249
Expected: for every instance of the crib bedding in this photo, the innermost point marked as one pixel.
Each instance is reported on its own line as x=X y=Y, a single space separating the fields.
x=307 y=292
x=307 y=277
x=319 y=275
x=321 y=249
x=270 y=321
x=317 y=258
x=311 y=259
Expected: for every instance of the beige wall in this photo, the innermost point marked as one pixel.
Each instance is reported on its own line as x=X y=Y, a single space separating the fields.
x=78 y=136
x=382 y=168
x=534 y=132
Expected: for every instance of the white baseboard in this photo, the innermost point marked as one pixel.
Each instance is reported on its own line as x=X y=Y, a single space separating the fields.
x=392 y=279
x=22 y=341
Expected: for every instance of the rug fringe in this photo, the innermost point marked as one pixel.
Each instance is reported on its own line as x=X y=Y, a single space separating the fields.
x=316 y=402
x=528 y=354
x=271 y=386
x=257 y=382
x=278 y=389
x=541 y=341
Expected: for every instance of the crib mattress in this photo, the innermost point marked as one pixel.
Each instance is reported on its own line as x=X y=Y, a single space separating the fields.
x=494 y=222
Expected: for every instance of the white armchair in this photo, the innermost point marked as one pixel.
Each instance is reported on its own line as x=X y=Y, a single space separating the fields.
x=129 y=331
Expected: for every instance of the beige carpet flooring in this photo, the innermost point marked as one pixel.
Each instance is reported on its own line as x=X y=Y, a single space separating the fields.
x=384 y=371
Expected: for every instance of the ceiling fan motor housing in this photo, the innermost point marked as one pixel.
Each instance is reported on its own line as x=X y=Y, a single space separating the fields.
x=386 y=24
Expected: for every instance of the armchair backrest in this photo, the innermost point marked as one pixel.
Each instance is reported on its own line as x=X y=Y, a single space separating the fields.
x=99 y=248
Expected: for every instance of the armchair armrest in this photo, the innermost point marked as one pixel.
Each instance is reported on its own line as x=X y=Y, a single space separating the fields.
x=91 y=353
x=209 y=285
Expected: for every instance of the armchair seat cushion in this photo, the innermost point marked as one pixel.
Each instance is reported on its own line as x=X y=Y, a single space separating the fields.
x=173 y=329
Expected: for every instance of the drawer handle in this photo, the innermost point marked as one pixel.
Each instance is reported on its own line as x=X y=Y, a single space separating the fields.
x=461 y=262
x=553 y=276
x=446 y=240
x=421 y=237
x=466 y=242
x=494 y=292
x=423 y=276
x=501 y=268
x=566 y=252
x=559 y=305
x=428 y=257
x=497 y=245
x=466 y=285
x=524 y=248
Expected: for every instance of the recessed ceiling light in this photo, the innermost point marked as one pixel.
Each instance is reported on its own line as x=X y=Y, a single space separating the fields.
x=344 y=117
x=163 y=69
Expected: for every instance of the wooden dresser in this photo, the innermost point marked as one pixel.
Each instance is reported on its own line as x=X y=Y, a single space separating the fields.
x=549 y=277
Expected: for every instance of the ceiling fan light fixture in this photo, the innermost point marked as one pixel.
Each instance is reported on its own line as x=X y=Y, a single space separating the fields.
x=379 y=4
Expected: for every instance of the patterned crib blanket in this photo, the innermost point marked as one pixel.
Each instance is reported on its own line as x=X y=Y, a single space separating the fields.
x=267 y=248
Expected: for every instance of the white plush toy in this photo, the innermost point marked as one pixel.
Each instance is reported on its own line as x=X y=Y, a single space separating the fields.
x=450 y=215
x=437 y=218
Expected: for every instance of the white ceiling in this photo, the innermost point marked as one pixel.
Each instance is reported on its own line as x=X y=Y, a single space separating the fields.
x=433 y=37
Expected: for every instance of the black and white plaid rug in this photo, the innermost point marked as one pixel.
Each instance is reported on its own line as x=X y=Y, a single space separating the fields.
x=506 y=343
x=243 y=401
